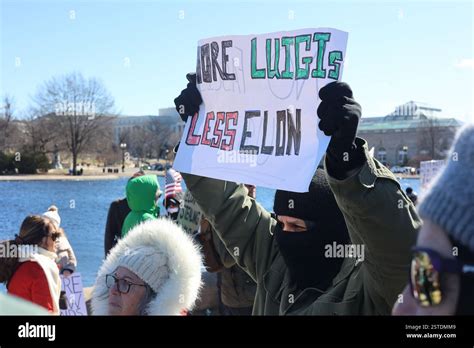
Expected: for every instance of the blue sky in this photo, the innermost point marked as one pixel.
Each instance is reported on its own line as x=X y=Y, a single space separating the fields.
x=141 y=50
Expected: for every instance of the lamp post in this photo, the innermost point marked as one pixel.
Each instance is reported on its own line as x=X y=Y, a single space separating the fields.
x=123 y=146
x=405 y=155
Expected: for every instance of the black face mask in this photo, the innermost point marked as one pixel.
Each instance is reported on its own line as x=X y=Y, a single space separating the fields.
x=303 y=253
x=173 y=216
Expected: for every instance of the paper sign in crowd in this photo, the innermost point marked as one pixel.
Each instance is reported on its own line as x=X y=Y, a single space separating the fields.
x=258 y=122
x=189 y=216
x=76 y=304
x=429 y=170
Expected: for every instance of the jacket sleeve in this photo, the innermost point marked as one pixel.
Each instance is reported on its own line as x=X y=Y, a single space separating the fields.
x=224 y=255
x=71 y=260
x=244 y=226
x=40 y=293
x=67 y=258
x=111 y=228
x=382 y=218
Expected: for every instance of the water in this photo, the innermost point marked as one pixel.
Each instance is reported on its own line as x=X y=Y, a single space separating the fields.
x=83 y=207
x=411 y=182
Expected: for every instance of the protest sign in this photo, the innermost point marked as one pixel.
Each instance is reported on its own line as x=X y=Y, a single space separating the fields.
x=72 y=285
x=189 y=215
x=258 y=121
x=428 y=170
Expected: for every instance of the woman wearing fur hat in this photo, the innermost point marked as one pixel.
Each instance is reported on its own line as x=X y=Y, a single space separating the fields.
x=154 y=270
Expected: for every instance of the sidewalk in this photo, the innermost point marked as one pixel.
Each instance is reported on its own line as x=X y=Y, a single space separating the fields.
x=89 y=174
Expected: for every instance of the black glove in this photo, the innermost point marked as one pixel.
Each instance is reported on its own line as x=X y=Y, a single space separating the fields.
x=63 y=300
x=340 y=114
x=187 y=103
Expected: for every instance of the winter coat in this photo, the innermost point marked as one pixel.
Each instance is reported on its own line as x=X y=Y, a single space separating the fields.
x=237 y=287
x=141 y=198
x=66 y=258
x=37 y=280
x=183 y=262
x=378 y=215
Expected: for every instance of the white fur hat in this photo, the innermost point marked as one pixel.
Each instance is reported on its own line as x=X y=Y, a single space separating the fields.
x=148 y=263
x=161 y=254
x=53 y=215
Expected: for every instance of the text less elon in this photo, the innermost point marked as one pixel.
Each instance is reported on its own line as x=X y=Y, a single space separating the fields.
x=219 y=131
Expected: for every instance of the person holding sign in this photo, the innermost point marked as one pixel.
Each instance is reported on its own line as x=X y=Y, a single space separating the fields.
x=154 y=270
x=354 y=200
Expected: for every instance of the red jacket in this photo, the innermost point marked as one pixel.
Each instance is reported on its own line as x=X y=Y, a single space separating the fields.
x=29 y=282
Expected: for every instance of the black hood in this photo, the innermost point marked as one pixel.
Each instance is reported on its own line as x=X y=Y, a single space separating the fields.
x=304 y=252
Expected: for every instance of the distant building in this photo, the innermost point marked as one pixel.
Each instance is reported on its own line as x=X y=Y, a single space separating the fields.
x=126 y=124
x=171 y=118
x=167 y=117
x=410 y=134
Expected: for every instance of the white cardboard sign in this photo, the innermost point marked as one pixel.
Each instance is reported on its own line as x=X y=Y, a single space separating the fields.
x=258 y=121
x=429 y=170
x=76 y=304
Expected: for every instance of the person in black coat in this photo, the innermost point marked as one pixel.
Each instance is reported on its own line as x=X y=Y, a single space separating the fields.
x=118 y=211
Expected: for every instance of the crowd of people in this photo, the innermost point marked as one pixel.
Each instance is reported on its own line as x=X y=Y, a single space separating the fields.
x=274 y=263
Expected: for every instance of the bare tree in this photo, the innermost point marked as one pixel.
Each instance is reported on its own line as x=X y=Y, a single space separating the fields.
x=6 y=119
x=139 y=141
x=431 y=135
x=164 y=138
x=79 y=107
x=150 y=139
x=124 y=137
x=40 y=131
x=434 y=139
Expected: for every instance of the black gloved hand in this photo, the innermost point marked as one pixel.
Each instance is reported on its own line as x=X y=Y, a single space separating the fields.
x=340 y=114
x=63 y=300
x=187 y=103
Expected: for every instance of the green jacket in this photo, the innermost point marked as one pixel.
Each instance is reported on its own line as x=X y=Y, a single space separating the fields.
x=141 y=198
x=378 y=214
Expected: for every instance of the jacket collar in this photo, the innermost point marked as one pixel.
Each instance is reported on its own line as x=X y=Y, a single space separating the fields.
x=373 y=170
x=27 y=252
x=277 y=284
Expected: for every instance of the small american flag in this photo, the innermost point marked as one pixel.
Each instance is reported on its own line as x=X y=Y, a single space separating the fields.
x=172 y=183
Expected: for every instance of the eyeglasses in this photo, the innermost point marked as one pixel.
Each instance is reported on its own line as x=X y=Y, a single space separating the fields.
x=426 y=269
x=123 y=286
x=54 y=236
